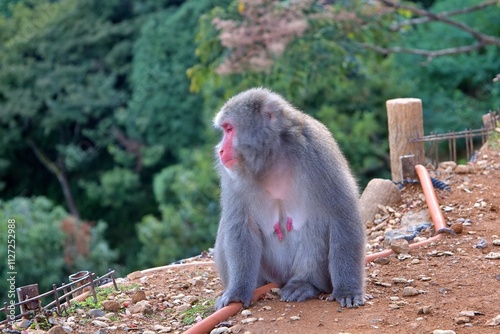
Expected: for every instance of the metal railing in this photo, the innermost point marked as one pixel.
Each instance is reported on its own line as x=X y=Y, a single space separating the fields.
x=31 y=305
x=490 y=123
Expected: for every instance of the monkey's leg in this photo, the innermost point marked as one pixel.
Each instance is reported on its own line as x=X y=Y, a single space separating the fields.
x=241 y=254
x=346 y=265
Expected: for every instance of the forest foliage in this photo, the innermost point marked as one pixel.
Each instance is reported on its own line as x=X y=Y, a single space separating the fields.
x=106 y=109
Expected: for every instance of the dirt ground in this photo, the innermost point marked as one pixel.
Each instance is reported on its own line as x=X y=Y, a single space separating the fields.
x=457 y=285
x=461 y=280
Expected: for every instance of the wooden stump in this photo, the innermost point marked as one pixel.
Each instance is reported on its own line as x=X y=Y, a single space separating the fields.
x=405 y=121
x=378 y=191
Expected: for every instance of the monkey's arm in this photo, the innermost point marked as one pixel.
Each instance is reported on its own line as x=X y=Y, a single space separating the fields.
x=239 y=251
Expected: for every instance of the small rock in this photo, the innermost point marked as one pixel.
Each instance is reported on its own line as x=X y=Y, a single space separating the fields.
x=56 y=330
x=25 y=323
x=135 y=275
x=462 y=320
x=382 y=260
x=138 y=296
x=195 y=282
x=462 y=169
x=440 y=253
x=496 y=242
x=400 y=246
x=457 y=228
x=494 y=322
x=400 y=280
x=162 y=329
x=99 y=323
x=415 y=261
x=96 y=313
x=481 y=244
x=409 y=291
x=191 y=300
x=182 y=308
x=469 y=314
x=179 y=296
x=220 y=330
x=394 y=306
x=67 y=328
x=443 y=331
x=246 y=313
x=448 y=164
x=404 y=256
x=111 y=305
x=143 y=307
x=388 y=285
x=294 y=318
x=424 y=310
x=148 y=332
x=492 y=256
x=249 y=320
x=100 y=331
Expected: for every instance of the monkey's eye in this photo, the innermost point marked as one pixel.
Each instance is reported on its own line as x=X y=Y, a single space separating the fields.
x=228 y=128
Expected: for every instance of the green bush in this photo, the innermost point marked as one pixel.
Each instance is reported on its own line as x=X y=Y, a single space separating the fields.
x=49 y=244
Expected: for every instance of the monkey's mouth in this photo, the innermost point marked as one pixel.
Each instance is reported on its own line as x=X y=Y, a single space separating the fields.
x=230 y=163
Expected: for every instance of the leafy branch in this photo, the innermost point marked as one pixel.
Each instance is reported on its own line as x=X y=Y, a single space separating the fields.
x=481 y=39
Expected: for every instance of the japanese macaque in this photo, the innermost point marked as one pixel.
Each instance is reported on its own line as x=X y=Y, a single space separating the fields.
x=289 y=202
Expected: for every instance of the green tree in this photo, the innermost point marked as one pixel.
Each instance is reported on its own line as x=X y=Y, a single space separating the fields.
x=162 y=111
x=455 y=90
x=187 y=194
x=49 y=244
x=64 y=84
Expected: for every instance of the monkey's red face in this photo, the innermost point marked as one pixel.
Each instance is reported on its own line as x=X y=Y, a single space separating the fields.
x=226 y=152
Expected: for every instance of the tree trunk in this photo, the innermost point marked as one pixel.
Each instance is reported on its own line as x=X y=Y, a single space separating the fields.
x=61 y=177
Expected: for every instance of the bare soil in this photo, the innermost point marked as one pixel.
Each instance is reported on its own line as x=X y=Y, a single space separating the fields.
x=451 y=275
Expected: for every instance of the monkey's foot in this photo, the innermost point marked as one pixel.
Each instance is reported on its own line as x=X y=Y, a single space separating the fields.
x=298 y=291
x=229 y=297
x=350 y=300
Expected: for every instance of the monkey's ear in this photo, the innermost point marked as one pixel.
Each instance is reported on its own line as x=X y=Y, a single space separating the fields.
x=271 y=110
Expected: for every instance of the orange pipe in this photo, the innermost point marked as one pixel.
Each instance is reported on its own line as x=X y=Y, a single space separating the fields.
x=209 y=323
x=434 y=210
x=430 y=198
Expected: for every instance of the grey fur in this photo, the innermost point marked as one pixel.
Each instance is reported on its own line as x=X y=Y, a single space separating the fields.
x=289 y=166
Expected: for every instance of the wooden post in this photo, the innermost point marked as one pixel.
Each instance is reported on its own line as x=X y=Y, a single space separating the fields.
x=490 y=120
x=408 y=167
x=405 y=120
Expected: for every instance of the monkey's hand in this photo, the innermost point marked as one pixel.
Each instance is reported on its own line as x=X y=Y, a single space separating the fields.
x=230 y=296
x=347 y=299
